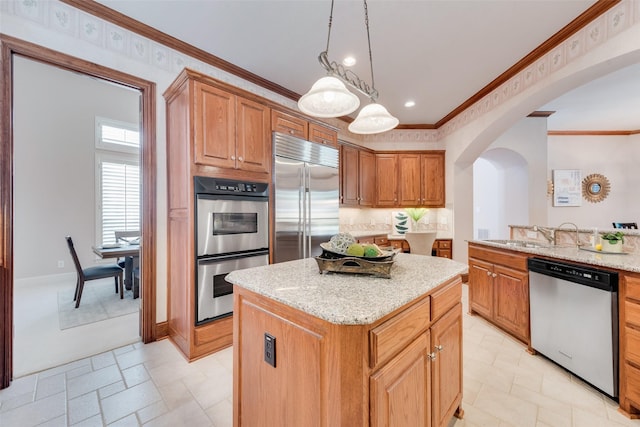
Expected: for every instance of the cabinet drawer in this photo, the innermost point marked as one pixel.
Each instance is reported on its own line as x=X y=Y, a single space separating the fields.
x=632 y=341
x=633 y=384
x=381 y=241
x=366 y=240
x=284 y=123
x=444 y=299
x=444 y=244
x=396 y=333
x=632 y=313
x=396 y=243
x=632 y=287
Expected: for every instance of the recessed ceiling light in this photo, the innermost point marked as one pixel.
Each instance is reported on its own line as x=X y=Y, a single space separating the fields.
x=349 y=61
x=409 y=104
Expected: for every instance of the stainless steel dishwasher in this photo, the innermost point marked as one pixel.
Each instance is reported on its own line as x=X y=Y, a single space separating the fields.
x=574 y=320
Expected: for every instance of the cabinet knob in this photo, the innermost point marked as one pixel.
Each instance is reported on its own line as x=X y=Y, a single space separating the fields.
x=438 y=348
x=431 y=356
x=494 y=275
x=488 y=273
x=291 y=131
x=241 y=159
x=233 y=157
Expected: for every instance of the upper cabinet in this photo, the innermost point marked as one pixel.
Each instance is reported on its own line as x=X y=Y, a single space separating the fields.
x=230 y=131
x=357 y=176
x=301 y=128
x=410 y=179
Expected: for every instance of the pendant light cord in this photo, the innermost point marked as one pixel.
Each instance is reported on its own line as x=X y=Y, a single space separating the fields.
x=329 y=32
x=366 y=23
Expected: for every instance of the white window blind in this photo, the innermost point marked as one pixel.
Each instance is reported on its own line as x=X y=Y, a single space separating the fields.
x=118 y=178
x=120 y=199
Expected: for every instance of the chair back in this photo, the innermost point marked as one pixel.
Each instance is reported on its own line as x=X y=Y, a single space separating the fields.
x=76 y=261
x=126 y=236
x=421 y=242
x=628 y=225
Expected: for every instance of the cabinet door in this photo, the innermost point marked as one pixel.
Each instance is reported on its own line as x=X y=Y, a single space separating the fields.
x=481 y=287
x=366 y=178
x=446 y=368
x=322 y=135
x=285 y=123
x=386 y=180
x=253 y=142
x=349 y=175
x=433 y=191
x=400 y=392
x=214 y=126
x=409 y=185
x=511 y=310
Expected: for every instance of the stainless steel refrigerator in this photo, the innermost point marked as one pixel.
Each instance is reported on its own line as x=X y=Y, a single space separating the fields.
x=306 y=182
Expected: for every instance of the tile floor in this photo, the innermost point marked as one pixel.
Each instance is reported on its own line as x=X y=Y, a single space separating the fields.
x=153 y=385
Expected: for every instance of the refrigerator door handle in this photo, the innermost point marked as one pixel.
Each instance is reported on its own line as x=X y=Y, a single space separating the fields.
x=301 y=214
x=307 y=216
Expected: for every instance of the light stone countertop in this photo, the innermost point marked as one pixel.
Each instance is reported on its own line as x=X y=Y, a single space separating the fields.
x=347 y=299
x=625 y=262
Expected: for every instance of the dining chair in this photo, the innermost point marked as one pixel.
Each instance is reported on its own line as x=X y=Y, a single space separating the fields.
x=421 y=242
x=628 y=225
x=93 y=273
x=127 y=237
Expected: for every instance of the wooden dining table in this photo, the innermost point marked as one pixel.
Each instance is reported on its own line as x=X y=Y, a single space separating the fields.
x=121 y=251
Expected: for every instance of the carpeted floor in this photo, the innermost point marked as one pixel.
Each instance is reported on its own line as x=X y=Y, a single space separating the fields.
x=99 y=302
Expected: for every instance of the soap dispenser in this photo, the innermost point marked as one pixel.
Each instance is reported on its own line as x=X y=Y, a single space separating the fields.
x=595 y=239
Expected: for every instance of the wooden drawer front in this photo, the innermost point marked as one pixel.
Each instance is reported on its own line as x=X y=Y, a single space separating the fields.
x=632 y=337
x=365 y=239
x=323 y=135
x=632 y=287
x=396 y=243
x=444 y=244
x=633 y=384
x=284 y=123
x=396 y=333
x=381 y=241
x=444 y=299
x=497 y=256
x=632 y=313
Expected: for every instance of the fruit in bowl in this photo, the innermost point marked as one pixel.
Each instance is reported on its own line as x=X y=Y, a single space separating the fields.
x=340 y=242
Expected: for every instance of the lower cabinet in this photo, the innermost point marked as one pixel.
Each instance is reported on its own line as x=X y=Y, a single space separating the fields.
x=402 y=370
x=629 y=303
x=499 y=289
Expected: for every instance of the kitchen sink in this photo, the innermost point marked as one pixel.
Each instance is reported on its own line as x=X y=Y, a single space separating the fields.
x=520 y=243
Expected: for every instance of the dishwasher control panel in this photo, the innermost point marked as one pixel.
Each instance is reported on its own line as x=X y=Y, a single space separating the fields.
x=601 y=279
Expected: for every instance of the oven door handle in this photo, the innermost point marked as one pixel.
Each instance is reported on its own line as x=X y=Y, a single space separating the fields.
x=207 y=259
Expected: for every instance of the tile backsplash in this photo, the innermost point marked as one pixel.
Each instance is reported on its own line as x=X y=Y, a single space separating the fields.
x=381 y=220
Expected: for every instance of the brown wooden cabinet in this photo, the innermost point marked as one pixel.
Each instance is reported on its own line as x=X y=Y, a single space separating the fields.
x=299 y=127
x=213 y=129
x=443 y=248
x=410 y=179
x=357 y=176
x=499 y=289
x=629 y=303
x=404 y=369
x=230 y=131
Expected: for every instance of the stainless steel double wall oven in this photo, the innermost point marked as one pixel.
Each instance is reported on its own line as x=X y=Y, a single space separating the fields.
x=232 y=233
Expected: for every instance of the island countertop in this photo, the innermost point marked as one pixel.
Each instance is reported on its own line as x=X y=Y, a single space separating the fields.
x=348 y=299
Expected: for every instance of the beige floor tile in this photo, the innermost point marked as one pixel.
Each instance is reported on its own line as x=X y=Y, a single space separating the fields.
x=152 y=411
x=129 y=401
x=221 y=414
x=130 y=421
x=50 y=385
x=505 y=407
x=93 y=381
x=189 y=414
x=175 y=394
x=83 y=407
x=35 y=413
x=135 y=375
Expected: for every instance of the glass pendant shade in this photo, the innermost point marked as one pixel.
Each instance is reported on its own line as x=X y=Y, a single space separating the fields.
x=373 y=118
x=328 y=97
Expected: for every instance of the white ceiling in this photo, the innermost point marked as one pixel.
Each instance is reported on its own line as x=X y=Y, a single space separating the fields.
x=437 y=53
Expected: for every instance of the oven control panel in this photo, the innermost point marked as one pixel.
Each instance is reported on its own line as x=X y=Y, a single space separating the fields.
x=209 y=185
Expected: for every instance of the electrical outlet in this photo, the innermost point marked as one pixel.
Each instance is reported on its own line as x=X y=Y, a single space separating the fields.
x=60 y=264
x=270 y=349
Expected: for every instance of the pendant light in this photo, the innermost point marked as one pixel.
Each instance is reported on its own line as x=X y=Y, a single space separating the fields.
x=329 y=97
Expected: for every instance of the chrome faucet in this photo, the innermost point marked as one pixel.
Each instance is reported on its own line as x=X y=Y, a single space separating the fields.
x=547 y=233
x=578 y=244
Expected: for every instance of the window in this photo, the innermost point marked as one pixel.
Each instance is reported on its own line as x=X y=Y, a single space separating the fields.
x=118 y=179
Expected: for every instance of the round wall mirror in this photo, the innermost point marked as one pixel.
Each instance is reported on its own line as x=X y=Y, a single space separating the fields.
x=595 y=187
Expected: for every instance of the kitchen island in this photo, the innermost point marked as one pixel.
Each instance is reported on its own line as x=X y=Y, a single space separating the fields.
x=328 y=349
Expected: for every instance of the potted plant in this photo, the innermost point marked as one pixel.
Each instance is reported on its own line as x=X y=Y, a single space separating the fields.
x=416 y=215
x=612 y=242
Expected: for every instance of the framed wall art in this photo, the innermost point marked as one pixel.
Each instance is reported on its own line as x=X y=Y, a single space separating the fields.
x=567 y=187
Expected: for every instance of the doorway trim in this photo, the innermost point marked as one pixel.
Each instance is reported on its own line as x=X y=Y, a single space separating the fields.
x=10 y=46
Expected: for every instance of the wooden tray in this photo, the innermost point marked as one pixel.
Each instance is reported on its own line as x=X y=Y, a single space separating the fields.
x=355 y=265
